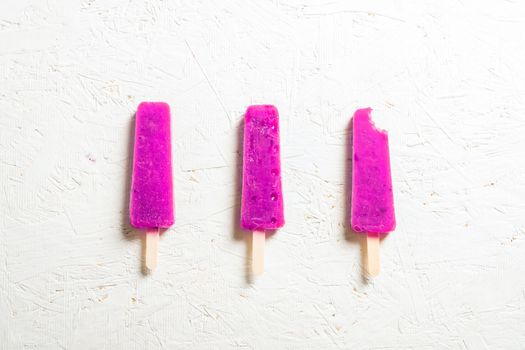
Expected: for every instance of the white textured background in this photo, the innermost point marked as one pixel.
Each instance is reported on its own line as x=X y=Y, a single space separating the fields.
x=446 y=78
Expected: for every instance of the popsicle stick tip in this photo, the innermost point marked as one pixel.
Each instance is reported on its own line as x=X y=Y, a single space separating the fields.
x=152 y=243
x=373 y=260
x=258 y=243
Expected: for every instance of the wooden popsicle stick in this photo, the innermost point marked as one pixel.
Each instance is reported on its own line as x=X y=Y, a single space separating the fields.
x=152 y=244
x=372 y=250
x=258 y=241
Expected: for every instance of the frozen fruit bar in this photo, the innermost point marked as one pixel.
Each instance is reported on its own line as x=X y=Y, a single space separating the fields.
x=262 y=198
x=151 y=204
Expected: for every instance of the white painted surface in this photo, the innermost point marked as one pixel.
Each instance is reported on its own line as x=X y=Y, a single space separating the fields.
x=446 y=78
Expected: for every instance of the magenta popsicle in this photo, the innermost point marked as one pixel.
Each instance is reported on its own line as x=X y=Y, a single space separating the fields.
x=372 y=197
x=151 y=204
x=262 y=198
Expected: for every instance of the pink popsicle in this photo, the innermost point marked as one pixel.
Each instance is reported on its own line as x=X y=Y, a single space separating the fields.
x=151 y=185
x=372 y=198
x=151 y=202
x=262 y=199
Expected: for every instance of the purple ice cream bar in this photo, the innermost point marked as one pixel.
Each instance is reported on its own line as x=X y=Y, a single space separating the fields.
x=372 y=197
x=151 y=204
x=262 y=198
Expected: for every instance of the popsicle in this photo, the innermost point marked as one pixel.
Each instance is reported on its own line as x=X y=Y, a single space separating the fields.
x=372 y=209
x=262 y=198
x=151 y=199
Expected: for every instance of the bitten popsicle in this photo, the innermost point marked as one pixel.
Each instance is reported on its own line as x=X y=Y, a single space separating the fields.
x=372 y=197
x=262 y=198
x=151 y=199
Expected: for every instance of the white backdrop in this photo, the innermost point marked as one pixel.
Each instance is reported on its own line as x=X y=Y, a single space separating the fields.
x=445 y=78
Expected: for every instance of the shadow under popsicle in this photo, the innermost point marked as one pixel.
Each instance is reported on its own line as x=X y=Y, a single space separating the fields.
x=127 y=230
x=238 y=233
x=350 y=235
